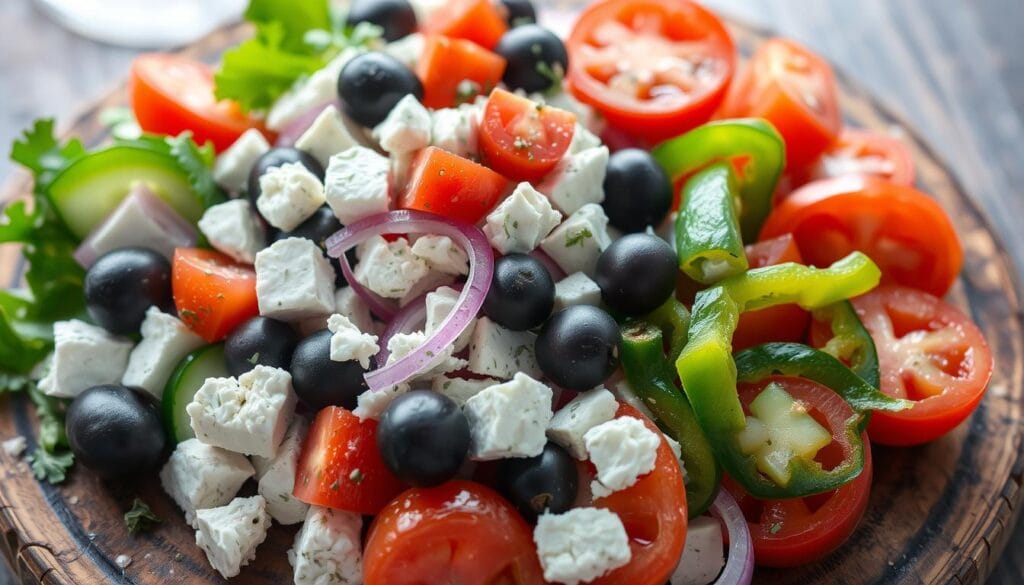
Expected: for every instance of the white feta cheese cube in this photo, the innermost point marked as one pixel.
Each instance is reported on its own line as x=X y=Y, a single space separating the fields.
x=83 y=356
x=402 y=344
x=577 y=180
x=442 y=254
x=460 y=389
x=400 y=167
x=328 y=548
x=141 y=219
x=372 y=403
x=580 y=545
x=434 y=280
x=319 y=88
x=199 y=476
x=572 y=421
x=456 y=130
x=522 y=221
x=499 y=352
x=407 y=49
x=576 y=244
x=508 y=420
x=294 y=280
x=389 y=269
x=230 y=534
x=348 y=303
x=583 y=139
x=165 y=342
x=439 y=304
x=406 y=128
x=246 y=415
x=231 y=169
x=704 y=555
x=348 y=343
x=327 y=136
x=276 y=476
x=356 y=184
x=576 y=289
x=289 y=195
x=622 y=450
x=231 y=228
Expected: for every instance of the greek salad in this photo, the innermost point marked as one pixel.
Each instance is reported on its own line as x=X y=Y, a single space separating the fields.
x=474 y=304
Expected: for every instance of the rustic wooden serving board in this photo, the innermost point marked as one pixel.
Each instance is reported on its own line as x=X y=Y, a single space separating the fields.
x=938 y=514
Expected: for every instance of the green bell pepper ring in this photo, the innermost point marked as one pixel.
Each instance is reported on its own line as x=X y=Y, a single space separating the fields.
x=851 y=341
x=673 y=318
x=650 y=376
x=708 y=239
x=752 y=143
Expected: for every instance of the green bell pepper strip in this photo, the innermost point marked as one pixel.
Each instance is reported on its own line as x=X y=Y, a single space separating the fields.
x=651 y=379
x=851 y=341
x=673 y=318
x=751 y=141
x=708 y=239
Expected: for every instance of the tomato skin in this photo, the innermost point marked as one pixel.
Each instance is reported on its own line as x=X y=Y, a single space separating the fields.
x=779 y=323
x=170 y=94
x=340 y=465
x=910 y=329
x=449 y=185
x=447 y=62
x=864 y=152
x=521 y=139
x=212 y=293
x=904 y=231
x=474 y=20
x=460 y=532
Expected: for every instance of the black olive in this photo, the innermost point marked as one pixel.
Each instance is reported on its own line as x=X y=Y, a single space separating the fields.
x=519 y=12
x=123 y=284
x=423 y=438
x=534 y=484
x=522 y=293
x=259 y=340
x=536 y=58
x=396 y=17
x=637 y=192
x=637 y=273
x=320 y=381
x=115 y=431
x=579 y=347
x=372 y=83
x=277 y=157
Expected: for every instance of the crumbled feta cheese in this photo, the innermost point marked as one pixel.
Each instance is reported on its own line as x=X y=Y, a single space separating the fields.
x=406 y=128
x=348 y=343
x=677 y=449
x=434 y=280
x=499 y=352
x=14 y=446
x=622 y=450
x=328 y=548
x=141 y=219
x=356 y=184
x=576 y=289
x=583 y=139
x=580 y=545
x=276 y=476
x=289 y=195
x=327 y=136
x=407 y=49
x=581 y=414
x=704 y=555
x=508 y=420
x=577 y=180
x=319 y=88
x=231 y=169
x=348 y=303
x=230 y=534
x=231 y=228
x=372 y=403
x=400 y=166
x=84 y=356
x=576 y=244
x=522 y=221
x=246 y=415
x=294 y=280
x=165 y=342
x=439 y=304
x=402 y=344
x=199 y=476
x=460 y=389
x=389 y=269
x=442 y=254
x=456 y=130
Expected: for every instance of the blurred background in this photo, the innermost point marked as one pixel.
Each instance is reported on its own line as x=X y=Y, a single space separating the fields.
x=951 y=68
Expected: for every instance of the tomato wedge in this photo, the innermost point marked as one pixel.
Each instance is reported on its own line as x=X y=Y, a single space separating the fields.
x=779 y=323
x=795 y=90
x=863 y=152
x=654 y=68
x=479 y=21
x=213 y=293
x=446 y=184
x=903 y=230
x=928 y=352
x=522 y=139
x=447 y=64
x=460 y=532
x=170 y=94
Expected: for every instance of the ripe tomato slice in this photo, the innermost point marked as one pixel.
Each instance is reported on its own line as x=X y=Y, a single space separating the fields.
x=171 y=94
x=213 y=293
x=779 y=323
x=522 y=139
x=929 y=352
x=474 y=20
x=340 y=466
x=447 y=63
x=904 y=231
x=460 y=532
x=654 y=68
x=862 y=152
x=447 y=184
x=795 y=90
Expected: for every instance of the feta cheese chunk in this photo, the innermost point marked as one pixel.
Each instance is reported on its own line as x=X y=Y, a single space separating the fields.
x=328 y=548
x=277 y=476
x=289 y=195
x=501 y=353
x=83 y=356
x=231 y=169
x=441 y=254
x=327 y=136
x=319 y=88
x=294 y=280
x=576 y=289
x=577 y=180
x=622 y=450
x=230 y=534
x=231 y=228
x=581 y=414
x=456 y=130
x=389 y=269
x=434 y=280
x=522 y=221
x=459 y=389
x=407 y=49
x=348 y=303
x=580 y=545
x=508 y=420
x=348 y=343
x=704 y=555
x=372 y=403
x=576 y=244
x=439 y=304
x=356 y=184
x=402 y=344
x=199 y=476
x=246 y=415
x=583 y=139
x=165 y=342
x=406 y=129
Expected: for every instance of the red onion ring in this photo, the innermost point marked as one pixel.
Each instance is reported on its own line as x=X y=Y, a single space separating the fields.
x=379 y=306
x=406 y=321
x=739 y=565
x=471 y=299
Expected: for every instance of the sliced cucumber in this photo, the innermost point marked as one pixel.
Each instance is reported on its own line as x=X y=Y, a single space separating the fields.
x=188 y=377
x=89 y=190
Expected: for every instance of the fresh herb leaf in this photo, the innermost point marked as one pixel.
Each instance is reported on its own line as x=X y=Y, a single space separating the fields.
x=39 y=151
x=293 y=17
x=50 y=412
x=197 y=162
x=50 y=467
x=140 y=518
x=14 y=383
x=578 y=238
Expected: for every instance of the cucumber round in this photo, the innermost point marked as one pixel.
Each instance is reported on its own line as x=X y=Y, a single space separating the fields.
x=89 y=190
x=188 y=377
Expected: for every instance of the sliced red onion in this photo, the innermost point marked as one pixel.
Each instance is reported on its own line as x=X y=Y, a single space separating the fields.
x=739 y=566
x=294 y=129
x=471 y=299
x=554 y=269
x=409 y=319
x=383 y=308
